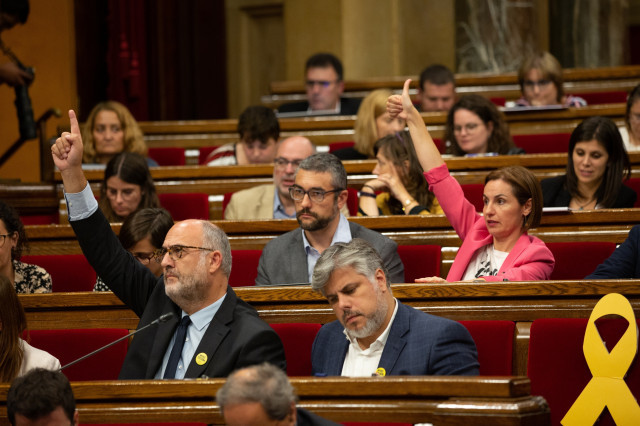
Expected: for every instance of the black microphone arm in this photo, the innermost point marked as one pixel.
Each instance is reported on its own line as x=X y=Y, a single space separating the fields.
x=161 y=318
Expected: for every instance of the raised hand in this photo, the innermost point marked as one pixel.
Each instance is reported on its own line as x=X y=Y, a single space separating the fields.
x=401 y=105
x=67 y=150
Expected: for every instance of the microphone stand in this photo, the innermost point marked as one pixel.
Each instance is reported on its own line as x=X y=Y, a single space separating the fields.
x=161 y=318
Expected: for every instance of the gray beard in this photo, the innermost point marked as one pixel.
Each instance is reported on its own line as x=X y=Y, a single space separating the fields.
x=374 y=321
x=191 y=288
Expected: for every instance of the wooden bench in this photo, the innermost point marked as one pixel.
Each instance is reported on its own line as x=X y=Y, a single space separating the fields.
x=505 y=85
x=193 y=135
x=417 y=399
x=521 y=302
x=596 y=225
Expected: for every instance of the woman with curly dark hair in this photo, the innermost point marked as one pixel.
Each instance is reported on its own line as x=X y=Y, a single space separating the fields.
x=475 y=126
x=399 y=180
x=13 y=241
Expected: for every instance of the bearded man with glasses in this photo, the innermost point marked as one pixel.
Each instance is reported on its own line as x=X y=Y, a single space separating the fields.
x=211 y=332
x=319 y=193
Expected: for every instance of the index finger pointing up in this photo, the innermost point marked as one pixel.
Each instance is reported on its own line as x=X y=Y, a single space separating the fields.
x=75 y=128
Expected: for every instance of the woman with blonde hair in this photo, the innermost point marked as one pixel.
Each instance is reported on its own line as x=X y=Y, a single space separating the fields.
x=17 y=357
x=110 y=130
x=372 y=123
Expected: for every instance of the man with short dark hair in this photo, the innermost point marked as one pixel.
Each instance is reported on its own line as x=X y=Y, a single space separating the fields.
x=437 y=91
x=375 y=334
x=319 y=193
x=259 y=130
x=324 y=85
x=41 y=397
x=262 y=395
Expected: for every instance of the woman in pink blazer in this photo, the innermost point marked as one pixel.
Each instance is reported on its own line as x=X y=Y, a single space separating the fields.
x=495 y=246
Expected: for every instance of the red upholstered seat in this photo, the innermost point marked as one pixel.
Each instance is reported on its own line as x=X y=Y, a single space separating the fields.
x=634 y=183
x=575 y=260
x=193 y=205
x=352 y=201
x=422 y=260
x=611 y=97
x=334 y=146
x=473 y=193
x=494 y=341
x=244 y=267
x=557 y=367
x=69 y=345
x=204 y=153
x=168 y=156
x=69 y=272
x=297 y=339
x=543 y=143
x=40 y=219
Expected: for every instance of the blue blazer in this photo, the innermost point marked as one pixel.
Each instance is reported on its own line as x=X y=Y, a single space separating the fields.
x=624 y=262
x=418 y=344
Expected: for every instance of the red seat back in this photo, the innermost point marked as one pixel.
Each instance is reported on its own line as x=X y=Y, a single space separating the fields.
x=557 y=367
x=168 y=156
x=575 y=260
x=40 y=219
x=422 y=260
x=543 y=143
x=334 y=146
x=69 y=345
x=244 y=267
x=297 y=339
x=69 y=272
x=494 y=341
x=473 y=193
x=192 y=205
x=611 y=97
x=352 y=201
x=204 y=153
x=634 y=183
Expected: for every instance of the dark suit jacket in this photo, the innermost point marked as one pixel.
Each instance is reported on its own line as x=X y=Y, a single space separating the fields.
x=307 y=418
x=348 y=106
x=556 y=195
x=624 y=262
x=284 y=260
x=235 y=338
x=418 y=344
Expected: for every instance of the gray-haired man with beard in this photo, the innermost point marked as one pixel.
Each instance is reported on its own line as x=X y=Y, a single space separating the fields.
x=376 y=334
x=319 y=192
x=211 y=331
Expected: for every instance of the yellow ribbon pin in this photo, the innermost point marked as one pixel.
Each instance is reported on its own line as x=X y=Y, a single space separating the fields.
x=607 y=387
x=381 y=372
x=201 y=358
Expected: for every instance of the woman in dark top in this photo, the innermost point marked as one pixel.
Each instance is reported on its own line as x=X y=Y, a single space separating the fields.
x=596 y=167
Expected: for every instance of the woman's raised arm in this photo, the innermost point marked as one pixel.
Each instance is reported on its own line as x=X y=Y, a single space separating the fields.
x=401 y=106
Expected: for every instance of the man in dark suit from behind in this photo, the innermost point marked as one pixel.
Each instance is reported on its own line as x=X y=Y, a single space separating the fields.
x=376 y=334
x=262 y=395
x=324 y=85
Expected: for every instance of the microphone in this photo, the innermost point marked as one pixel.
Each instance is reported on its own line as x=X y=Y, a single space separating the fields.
x=161 y=318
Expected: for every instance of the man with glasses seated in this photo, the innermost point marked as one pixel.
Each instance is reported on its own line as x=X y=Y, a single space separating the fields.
x=324 y=85
x=272 y=201
x=211 y=331
x=319 y=193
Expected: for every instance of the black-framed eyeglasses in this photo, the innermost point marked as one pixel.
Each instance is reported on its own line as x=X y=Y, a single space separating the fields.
x=175 y=252
x=530 y=84
x=4 y=238
x=315 y=195
x=282 y=163
x=322 y=83
x=143 y=256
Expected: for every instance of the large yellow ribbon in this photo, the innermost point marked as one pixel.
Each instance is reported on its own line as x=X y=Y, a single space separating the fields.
x=607 y=387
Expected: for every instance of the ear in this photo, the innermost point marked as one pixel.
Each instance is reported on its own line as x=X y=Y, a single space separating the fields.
x=292 y=418
x=216 y=261
x=527 y=207
x=342 y=198
x=381 y=280
x=341 y=86
x=76 y=418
